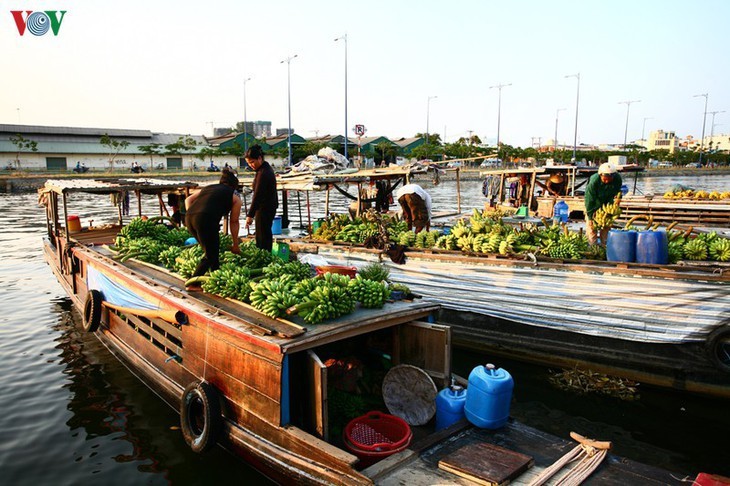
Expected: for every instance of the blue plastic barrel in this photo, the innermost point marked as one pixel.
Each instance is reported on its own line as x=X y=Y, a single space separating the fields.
x=450 y=406
x=489 y=397
x=561 y=211
x=652 y=247
x=621 y=246
x=276 y=226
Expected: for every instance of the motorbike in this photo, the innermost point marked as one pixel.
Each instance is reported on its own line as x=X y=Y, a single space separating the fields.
x=137 y=169
x=81 y=169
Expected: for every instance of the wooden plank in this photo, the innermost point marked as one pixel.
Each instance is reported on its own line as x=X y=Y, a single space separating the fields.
x=244 y=397
x=486 y=464
x=251 y=369
x=426 y=346
x=168 y=328
x=317 y=372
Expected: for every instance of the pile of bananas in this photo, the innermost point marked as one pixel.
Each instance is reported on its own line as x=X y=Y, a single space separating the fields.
x=357 y=233
x=704 y=246
x=299 y=271
x=407 y=238
x=697 y=195
x=145 y=248
x=273 y=296
x=370 y=294
x=188 y=261
x=607 y=214
x=426 y=239
x=229 y=281
x=168 y=257
x=326 y=301
x=720 y=250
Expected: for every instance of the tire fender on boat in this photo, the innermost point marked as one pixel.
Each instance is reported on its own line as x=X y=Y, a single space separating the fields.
x=718 y=347
x=200 y=416
x=92 y=310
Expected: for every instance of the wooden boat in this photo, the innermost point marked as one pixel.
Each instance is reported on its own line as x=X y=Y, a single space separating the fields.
x=255 y=385
x=663 y=325
x=541 y=200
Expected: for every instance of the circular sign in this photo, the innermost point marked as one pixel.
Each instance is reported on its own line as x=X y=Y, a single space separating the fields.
x=359 y=130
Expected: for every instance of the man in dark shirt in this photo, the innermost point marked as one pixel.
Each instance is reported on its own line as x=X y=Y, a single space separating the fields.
x=205 y=209
x=265 y=200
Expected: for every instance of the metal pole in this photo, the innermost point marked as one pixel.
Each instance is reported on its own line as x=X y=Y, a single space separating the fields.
x=712 y=126
x=288 y=98
x=643 y=126
x=344 y=37
x=245 y=118
x=499 y=109
x=555 y=141
x=704 y=119
x=577 y=100
x=628 y=106
x=428 y=112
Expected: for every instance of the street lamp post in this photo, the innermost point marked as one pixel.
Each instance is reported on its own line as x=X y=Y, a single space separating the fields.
x=344 y=38
x=704 y=119
x=643 y=126
x=712 y=125
x=288 y=97
x=499 y=109
x=428 y=113
x=577 y=99
x=628 y=106
x=245 y=118
x=555 y=140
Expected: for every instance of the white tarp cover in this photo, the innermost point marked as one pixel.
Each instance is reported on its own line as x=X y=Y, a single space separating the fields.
x=634 y=308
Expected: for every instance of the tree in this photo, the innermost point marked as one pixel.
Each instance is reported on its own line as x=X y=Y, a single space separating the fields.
x=151 y=150
x=23 y=144
x=184 y=144
x=386 y=149
x=114 y=146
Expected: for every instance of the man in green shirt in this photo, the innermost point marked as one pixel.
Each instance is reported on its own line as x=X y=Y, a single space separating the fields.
x=601 y=189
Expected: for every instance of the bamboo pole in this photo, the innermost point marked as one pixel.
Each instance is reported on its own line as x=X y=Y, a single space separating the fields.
x=458 y=191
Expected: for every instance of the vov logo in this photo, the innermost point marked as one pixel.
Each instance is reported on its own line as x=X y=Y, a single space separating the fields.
x=38 y=23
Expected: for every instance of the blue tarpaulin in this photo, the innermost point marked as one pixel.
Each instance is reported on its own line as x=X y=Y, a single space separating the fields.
x=115 y=293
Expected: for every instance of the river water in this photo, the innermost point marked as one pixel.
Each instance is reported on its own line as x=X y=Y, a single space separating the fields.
x=73 y=414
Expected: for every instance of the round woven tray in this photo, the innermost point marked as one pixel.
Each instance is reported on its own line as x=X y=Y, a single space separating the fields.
x=409 y=393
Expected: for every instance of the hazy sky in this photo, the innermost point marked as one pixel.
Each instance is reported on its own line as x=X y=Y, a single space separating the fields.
x=175 y=66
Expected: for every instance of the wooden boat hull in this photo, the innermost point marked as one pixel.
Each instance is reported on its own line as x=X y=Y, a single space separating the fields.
x=659 y=325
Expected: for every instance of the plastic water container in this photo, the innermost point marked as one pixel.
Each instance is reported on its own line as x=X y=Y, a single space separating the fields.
x=652 y=247
x=624 y=190
x=489 y=397
x=450 y=406
x=74 y=223
x=276 y=226
x=561 y=211
x=621 y=246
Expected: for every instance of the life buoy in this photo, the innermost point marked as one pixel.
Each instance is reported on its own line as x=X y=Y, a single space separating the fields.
x=200 y=416
x=718 y=347
x=92 y=310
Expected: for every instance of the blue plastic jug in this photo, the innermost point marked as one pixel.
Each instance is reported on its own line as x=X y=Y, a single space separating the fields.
x=450 y=406
x=489 y=397
x=621 y=246
x=276 y=226
x=561 y=211
x=652 y=247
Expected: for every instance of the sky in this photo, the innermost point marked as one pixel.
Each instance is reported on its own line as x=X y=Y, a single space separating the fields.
x=179 y=67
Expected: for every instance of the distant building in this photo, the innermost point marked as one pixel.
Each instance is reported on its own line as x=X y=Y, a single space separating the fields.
x=283 y=132
x=260 y=129
x=219 y=132
x=661 y=140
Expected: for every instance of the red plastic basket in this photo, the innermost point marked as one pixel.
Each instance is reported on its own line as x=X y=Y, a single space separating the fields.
x=377 y=432
x=341 y=269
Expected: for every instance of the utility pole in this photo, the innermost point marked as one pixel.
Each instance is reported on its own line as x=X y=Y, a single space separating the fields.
x=704 y=119
x=212 y=130
x=628 y=105
x=555 y=140
x=499 y=108
x=245 y=119
x=577 y=99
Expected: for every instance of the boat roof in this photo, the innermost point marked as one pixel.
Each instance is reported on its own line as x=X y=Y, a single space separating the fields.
x=107 y=186
x=318 y=182
x=579 y=170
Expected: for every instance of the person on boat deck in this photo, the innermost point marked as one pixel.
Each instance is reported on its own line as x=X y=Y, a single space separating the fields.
x=265 y=200
x=416 y=206
x=556 y=184
x=602 y=188
x=205 y=209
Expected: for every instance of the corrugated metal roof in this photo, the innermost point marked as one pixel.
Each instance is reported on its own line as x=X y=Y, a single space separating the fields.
x=90 y=132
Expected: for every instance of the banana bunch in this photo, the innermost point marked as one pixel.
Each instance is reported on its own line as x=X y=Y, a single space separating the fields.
x=719 y=250
x=426 y=239
x=460 y=229
x=395 y=228
x=167 y=257
x=506 y=246
x=466 y=242
x=296 y=269
x=226 y=282
x=607 y=214
x=695 y=249
x=273 y=297
x=595 y=252
x=174 y=236
x=407 y=238
x=324 y=302
x=675 y=250
x=447 y=242
x=251 y=256
x=492 y=244
x=188 y=260
x=370 y=294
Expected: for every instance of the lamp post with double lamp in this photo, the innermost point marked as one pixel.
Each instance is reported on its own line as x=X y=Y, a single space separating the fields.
x=704 y=119
x=344 y=38
x=712 y=125
x=428 y=113
x=577 y=99
x=499 y=109
x=555 y=141
x=288 y=98
x=245 y=118
x=628 y=106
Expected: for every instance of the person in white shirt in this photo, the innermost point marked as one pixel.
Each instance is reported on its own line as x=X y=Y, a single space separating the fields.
x=416 y=206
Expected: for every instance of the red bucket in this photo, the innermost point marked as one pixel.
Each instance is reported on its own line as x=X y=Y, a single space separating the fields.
x=375 y=436
x=341 y=269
